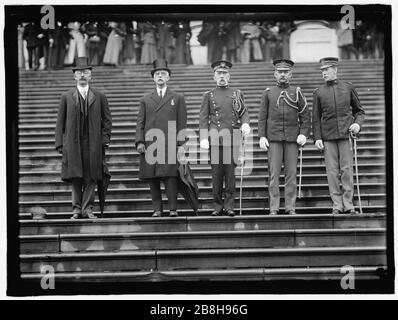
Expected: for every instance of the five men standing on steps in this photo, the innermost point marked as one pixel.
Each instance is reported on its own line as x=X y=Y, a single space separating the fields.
x=82 y=133
x=223 y=118
x=283 y=126
x=161 y=119
x=337 y=113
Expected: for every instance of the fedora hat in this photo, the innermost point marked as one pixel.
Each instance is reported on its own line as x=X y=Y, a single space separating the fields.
x=160 y=64
x=81 y=63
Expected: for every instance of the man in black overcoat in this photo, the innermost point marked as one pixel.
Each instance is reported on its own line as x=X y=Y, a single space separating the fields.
x=82 y=132
x=162 y=118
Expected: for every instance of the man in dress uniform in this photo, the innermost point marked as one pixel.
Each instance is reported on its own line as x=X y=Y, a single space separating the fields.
x=163 y=111
x=337 y=113
x=223 y=116
x=283 y=126
x=82 y=132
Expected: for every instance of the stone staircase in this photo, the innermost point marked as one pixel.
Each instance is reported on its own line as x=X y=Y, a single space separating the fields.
x=129 y=245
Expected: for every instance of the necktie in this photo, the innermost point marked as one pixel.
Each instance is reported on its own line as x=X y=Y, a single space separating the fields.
x=160 y=94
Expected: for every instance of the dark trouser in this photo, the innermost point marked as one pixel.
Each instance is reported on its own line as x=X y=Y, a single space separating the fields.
x=33 y=53
x=83 y=193
x=278 y=153
x=338 y=160
x=170 y=184
x=223 y=167
x=83 y=189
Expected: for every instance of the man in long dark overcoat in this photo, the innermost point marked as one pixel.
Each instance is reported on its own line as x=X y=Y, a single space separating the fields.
x=83 y=130
x=161 y=117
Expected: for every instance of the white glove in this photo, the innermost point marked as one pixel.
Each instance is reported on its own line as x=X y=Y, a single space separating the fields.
x=319 y=144
x=245 y=129
x=354 y=128
x=301 y=140
x=204 y=144
x=181 y=155
x=264 y=143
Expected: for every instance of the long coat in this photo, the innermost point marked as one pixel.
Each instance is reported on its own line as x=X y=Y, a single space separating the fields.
x=156 y=113
x=335 y=107
x=67 y=133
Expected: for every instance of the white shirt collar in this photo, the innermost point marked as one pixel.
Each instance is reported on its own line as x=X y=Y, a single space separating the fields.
x=83 y=90
x=163 y=91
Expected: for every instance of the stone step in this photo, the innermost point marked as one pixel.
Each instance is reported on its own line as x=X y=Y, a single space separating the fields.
x=203 y=77
x=368 y=146
x=118 y=112
x=372 y=108
x=290 y=238
x=204 y=259
x=192 y=95
x=377 y=122
x=253 y=141
x=255 y=201
x=250 y=274
x=49 y=130
x=130 y=176
x=132 y=158
x=200 y=223
x=309 y=166
x=249 y=190
x=120 y=82
x=202 y=212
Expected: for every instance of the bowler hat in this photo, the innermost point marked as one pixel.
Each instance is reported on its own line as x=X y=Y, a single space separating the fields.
x=81 y=63
x=328 y=62
x=160 y=64
x=283 y=64
x=224 y=64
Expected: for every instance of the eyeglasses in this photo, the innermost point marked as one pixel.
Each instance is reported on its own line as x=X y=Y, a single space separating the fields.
x=85 y=72
x=161 y=73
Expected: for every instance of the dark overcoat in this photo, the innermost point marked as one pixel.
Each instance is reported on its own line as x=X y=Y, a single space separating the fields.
x=168 y=116
x=67 y=132
x=336 y=106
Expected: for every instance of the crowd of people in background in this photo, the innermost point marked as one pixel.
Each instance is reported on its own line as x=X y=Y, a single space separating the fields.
x=141 y=42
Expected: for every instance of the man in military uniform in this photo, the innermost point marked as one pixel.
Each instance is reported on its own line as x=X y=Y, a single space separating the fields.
x=161 y=111
x=336 y=113
x=283 y=125
x=223 y=116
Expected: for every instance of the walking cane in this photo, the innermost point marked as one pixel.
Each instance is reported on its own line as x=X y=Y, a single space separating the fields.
x=300 y=172
x=354 y=138
x=241 y=174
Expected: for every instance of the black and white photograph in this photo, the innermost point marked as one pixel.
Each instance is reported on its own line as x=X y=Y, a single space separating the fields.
x=198 y=149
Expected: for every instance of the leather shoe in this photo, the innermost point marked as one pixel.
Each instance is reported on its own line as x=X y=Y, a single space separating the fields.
x=157 y=214
x=352 y=211
x=75 y=216
x=273 y=213
x=173 y=214
x=336 y=211
x=230 y=213
x=291 y=212
x=215 y=213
